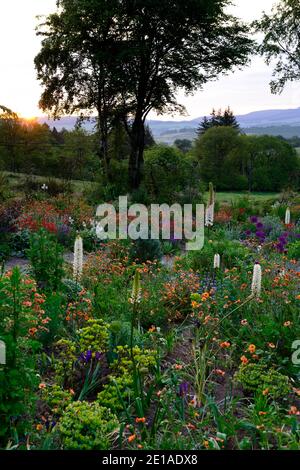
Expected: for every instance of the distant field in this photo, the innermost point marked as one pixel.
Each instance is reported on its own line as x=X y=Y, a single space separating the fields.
x=234 y=196
x=16 y=179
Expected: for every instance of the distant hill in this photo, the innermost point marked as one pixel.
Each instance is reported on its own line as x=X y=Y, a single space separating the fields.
x=285 y=122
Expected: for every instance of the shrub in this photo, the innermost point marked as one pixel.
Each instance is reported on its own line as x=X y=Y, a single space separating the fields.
x=21 y=321
x=294 y=250
x=145 y=250
x=258 y=378
x=167 y=172
x=46 y=258
x=87 y=426
x=94 y=337
x=231 y=251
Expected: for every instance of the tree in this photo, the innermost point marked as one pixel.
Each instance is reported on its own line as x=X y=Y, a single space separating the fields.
x=77 y=64
x=128 y=57
x=257 y=163
x=282 y=42
x=214 y=150
x=185 y=145
x=168 y=174
x=10 y=126
x=218 y=119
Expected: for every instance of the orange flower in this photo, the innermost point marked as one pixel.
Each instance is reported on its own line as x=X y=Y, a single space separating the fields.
x=191 y=426
x=131 y=438
x=294 y=411
x=140 y=420
x=262 y=413
x=225 y=344
x=32 y=331
x=42 y=386
x=39 y=427
x=244 y=360
x=298 y=297
x=265 y=391
x=271 y=345
x=178 y=366
x=152 y=329
x=220 y=372
x=206 y=444
x=252 y=348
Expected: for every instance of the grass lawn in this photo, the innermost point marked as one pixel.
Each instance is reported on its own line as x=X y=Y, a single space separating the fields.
x=16 y=179
x=228 y=197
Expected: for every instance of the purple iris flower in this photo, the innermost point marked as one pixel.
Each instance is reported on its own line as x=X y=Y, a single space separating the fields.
x=259 y=225
x=183 y=389
x=253 y=219
x=88 y=356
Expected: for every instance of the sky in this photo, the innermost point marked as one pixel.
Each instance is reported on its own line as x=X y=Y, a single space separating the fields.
x=244 y=91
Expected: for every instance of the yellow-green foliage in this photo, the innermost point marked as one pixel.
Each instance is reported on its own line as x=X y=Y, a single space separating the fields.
x=121 y=380
x=257 y=378
x=87 y=426
x=144 y=359
x=57 y=398
x=94 y=336
x=65 y=352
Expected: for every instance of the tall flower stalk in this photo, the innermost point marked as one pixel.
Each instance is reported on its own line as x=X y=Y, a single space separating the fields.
x=287 y=217
x=256 y=281
x=78 y=259
x=210 y=208
x=135 y=300
x=217 y=261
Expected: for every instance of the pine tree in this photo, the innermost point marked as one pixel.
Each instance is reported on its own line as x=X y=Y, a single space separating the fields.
x=218 y=119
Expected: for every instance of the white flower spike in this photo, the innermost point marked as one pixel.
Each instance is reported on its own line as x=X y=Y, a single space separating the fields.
x=256 y=280
x=78 y=258
x=287 y=217
x=217 y=261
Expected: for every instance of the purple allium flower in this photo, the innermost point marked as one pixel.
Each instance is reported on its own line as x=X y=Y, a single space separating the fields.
x=260 y=234
x=282 y=240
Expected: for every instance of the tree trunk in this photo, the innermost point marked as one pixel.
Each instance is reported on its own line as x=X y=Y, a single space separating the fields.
x=136 y=158
x=103 y=142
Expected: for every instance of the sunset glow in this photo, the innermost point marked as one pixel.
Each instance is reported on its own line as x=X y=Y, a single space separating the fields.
x=245 y=91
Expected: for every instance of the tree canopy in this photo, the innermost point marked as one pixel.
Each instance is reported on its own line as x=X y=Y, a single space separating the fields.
x=281 y=42
x=257 y=163
x=217 y=119
x=124 y=58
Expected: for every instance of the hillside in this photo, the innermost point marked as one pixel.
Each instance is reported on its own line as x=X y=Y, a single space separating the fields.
x=285 y=122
